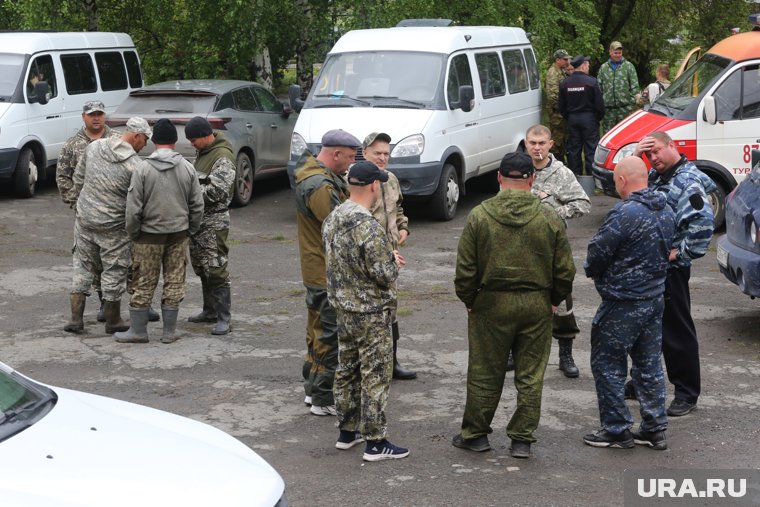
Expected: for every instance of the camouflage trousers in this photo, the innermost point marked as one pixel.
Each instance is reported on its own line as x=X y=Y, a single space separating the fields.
x=365 y=368
x=151 y=253
x=209 y=256
x=563 y=321
x=621 y=329
x=558 y=127
x=321 y=347
x=613 y=116
x=500 y=322
x=109 y=249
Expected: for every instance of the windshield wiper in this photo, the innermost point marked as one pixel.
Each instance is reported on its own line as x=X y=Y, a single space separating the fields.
x=29 y=406
x=338 y=96
x=164 y=111
x=388 y=97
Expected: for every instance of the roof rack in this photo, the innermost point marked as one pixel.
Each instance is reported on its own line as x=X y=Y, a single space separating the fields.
x=425 y=22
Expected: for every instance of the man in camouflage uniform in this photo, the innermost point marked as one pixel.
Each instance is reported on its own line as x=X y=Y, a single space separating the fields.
x=554 y=77
x=556 y=186
x=628 y=261
x=620 y=84
x=164 y=207
x=320 y=188
x=510 y=297
x=94 y=118
x=209 y=250
x=361 y=270
x=101 y=181
x=388 y=212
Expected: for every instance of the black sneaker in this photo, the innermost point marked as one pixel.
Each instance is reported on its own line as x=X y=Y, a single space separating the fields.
x=680 y=407
x=348 y=439
x=654 y=439
x=629 y=391
x=604 y=438
x=519 y=449
x=477 y=444
x=382 y=449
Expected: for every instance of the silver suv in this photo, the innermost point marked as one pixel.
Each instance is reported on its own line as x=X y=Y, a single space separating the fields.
x=257 y=124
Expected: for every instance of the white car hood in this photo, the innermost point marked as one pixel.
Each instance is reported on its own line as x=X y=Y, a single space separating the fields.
x=360 y=121
x=94 y=451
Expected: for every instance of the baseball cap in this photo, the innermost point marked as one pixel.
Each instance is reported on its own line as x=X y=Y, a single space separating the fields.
x=338 y=137
x=139 y=126
x=94 y=106
x=374 y=136
x=616 y=45
x=578 y=60
x=561 y=53
x=364 y=173
x=516 y=165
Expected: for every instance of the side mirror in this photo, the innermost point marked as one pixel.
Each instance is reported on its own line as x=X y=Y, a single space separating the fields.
x=710 y=114
x=294 y=95
x=466 y=98
x=41 y=90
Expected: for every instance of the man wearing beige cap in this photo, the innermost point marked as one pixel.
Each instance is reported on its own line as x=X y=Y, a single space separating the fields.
x=101 y=182
x=620 y=84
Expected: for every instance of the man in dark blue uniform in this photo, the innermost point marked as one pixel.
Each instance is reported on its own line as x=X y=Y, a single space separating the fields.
x=581 y=104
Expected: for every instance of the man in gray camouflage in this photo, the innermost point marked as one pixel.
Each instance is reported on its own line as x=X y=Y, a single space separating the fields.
x=164 y=207
x=556 y=186
x=101 y=181
x=361 y=270
x=388 y=212
x=209 y=248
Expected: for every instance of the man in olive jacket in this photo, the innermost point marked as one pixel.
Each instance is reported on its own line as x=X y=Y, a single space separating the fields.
x=514 y=266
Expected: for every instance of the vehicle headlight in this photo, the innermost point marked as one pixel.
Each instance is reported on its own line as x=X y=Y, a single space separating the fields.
x=625 y=151
x=409 y=146
x=297 y=146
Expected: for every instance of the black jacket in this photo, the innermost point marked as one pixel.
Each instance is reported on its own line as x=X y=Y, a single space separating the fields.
x=580 y=93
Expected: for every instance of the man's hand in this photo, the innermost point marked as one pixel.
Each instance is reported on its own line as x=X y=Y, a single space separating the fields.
x=673 y=255
x=399 y=258
x=644 y=146
x=402 y=234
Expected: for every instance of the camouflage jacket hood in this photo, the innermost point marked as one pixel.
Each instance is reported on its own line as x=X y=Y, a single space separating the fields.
x=512 y=207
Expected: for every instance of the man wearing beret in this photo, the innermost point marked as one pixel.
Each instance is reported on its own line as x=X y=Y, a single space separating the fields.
x=101 y=182
x=510 y=298
x=362 y=267
x=620 y=84
x=320 y=188
x=209 y=249
x=164 y=206
x=554 y=77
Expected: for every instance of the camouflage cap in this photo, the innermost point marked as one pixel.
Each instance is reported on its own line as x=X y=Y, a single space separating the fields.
x=374 y=136
x=615 y=45
x=139 y=126
x=94 y=106
x=561 y=53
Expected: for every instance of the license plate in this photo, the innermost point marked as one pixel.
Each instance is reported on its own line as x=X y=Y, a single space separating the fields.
x=722 y=256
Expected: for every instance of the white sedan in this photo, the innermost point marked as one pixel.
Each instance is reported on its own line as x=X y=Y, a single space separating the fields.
x=66 y=448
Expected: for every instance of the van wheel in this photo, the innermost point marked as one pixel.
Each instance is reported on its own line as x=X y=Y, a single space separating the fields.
x=25 y=177
x=243 y=188
x=717 y=199
x=446 y=196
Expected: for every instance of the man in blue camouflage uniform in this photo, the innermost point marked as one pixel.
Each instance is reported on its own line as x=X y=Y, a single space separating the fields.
x=628 y=261
x=361 y=270
x=685 y=188
x=510 y=296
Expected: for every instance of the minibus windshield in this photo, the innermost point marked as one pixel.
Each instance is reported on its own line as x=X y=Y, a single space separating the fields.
x=379 y=79
x=690 y=85
x=11 y=68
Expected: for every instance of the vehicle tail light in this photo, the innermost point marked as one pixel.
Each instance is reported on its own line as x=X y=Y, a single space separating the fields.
x=219 y=123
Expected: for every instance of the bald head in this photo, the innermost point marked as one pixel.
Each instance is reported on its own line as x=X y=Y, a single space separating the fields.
x=630 y=175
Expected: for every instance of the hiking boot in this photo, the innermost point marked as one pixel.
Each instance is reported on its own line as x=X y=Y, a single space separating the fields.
x=324 y=410
x=138 y=328
x=477 y=444
x=223 y=302
x=510 y=362
x=604 y=438
x=399 y=372
x=114 y=323
x=519 y=449
x=208 y=314
x=629 y=391
x=566 y=361
x=170 y=323
x=680 y=407
x=76 y=324
x=348 y=439
x=654 y=439
x=382 y=449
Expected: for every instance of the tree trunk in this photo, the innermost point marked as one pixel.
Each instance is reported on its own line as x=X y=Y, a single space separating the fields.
x=91 y=8
x=262 y=68
x=304 y=59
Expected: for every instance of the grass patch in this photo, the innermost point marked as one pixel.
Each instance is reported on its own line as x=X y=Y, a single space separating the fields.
x=296 y=292
x=404 y=312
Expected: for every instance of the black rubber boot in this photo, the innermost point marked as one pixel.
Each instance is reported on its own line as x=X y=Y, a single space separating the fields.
x=169 y=313
x=223 y=300
x=566 y=362
x=102 y=310
x=399 y=372
x=138 y=329
x=208 y=314
x=76 y=324
x=153 y=315
x=113 y=317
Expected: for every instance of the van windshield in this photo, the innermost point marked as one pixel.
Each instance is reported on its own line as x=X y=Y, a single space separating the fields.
x=690 y=85
x=397 y=79
x=11 y=69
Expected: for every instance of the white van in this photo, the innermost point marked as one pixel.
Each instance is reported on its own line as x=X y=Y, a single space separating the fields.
x=45 y=80
x=454 y=100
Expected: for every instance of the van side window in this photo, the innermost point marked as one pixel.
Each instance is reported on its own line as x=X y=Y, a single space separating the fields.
x=41 y=69
x=79 y=74
x=530 y=59
x=728 y=98
x=517 y=77
x=491 y=77
x=459 y=75
x=133 y=69
x=751 y=92
x=113 y=75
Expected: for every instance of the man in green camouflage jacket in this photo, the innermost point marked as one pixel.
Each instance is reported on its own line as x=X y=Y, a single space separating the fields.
x=620 y=84
x=554 y=77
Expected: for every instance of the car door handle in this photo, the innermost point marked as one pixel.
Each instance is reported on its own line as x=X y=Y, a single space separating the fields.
x=471 y=124
x=53 y=116
x=273 y=125
x=249 y=125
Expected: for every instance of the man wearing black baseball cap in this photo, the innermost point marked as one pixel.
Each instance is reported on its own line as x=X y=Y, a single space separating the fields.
x=361 y=270
x=514 y=266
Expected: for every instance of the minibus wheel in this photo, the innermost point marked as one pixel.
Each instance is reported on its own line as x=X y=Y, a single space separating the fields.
x=25 y=176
